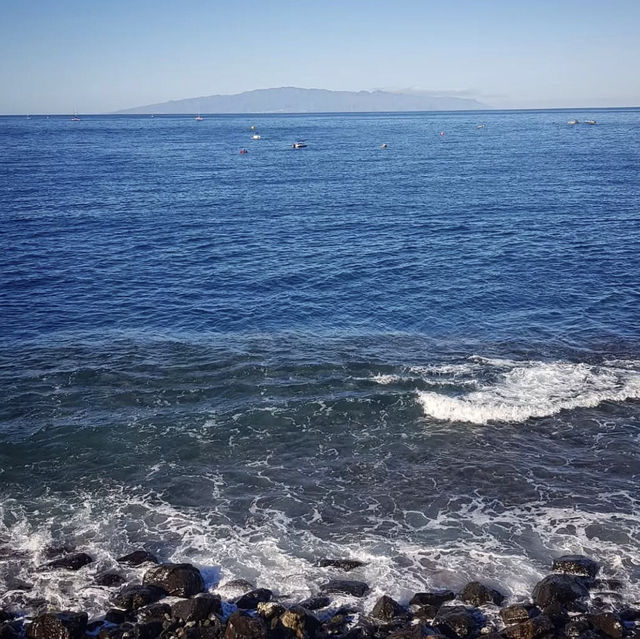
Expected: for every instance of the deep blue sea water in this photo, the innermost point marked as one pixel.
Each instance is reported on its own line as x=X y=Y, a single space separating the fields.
x=426 y=357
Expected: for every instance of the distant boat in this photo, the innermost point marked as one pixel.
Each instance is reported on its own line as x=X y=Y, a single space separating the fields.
x=590 y=122
x=255 y=136
x=199 y=118
x=572 y=122
x=299 y=144
x=384 y=146
x=243 y=151
x=480 y=126
x=75 y=118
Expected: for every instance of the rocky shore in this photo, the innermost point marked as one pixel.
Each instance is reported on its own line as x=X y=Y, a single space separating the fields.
x=173 y=603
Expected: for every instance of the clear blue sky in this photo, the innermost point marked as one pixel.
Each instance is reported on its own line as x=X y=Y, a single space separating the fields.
x=58 y=56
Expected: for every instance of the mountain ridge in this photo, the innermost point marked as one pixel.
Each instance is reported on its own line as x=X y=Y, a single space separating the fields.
x=299 y=100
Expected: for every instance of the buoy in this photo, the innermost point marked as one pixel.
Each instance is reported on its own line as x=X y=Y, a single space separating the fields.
x=384 y=146
x=441 y=132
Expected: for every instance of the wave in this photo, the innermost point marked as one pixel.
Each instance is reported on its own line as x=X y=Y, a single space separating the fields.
x=518 y=391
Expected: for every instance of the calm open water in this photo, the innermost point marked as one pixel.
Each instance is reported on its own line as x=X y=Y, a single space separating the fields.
x=426 y=357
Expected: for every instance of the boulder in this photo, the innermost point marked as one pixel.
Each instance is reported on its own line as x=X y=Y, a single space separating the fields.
x=518 y=613
x=536 y=628
x=148 y=630
x=179 y=580
x=242 y=626
x=110 y=579
x=342 y=564
x=9 y=631
x=477 y=594
x=137 y=557
x=458 y=622
x=557 y=613
x=630 y=614
x=315 y=603
x=134 y=597
x=435 y=598
x=300 y=622
x=250 y=600
x=346 y=587
x=198 y=608
x=559 y=588
x=70 y=562
x=58 y=625
x=116 y=616
x=387 y=608
x=607 y=623
x=425 y=613
x=577 y=565
x=153 y=612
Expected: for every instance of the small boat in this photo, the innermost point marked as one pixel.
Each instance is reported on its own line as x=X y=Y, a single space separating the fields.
x=75 y=117
x=590 y=122
x=243 y=151
x=384 y=146
x=299 y=144
x=255 y=136
x=199 y=118
x=480 y=126
x=572 y=122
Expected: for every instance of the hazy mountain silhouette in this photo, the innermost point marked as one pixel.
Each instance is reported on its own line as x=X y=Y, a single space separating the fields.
x=295 y=100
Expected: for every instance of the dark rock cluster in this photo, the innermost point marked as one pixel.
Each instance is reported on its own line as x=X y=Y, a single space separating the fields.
x=564 y=604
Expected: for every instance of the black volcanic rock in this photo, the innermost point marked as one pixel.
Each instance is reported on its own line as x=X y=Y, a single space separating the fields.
x=315 y=603
x=539 y=626
x=250 y=600
x=558 y=588
x=346 y=587
x=300 y=622
x=74 y=561
x=458 y=622
x=242 y=626
x=577 y=565
x=136 y=596
x=435 y=598
x=342 y=564
x=476 y=594
x=109 y=579
x=608 y=623
x=387 y=608
x=518 y=613
x=179 y=580
x=197 y=608
x=58 y=625
x=137 y=557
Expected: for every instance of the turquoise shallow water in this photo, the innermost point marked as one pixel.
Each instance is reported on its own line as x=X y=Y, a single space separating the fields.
x=424 y=356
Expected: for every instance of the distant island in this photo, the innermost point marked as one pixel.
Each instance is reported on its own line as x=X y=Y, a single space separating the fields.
x=296 y=100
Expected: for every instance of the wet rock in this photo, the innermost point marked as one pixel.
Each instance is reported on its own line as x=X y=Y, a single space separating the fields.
x=55 y=550
x=5 y=616
x=134 y=597
x=110 y=579
x=250 y=600
x=9 y=631
x=458 y=621
x=387 y=608
x=477 y=594
x=435 y=598
x=241 y=626
x=342 y=564
x=125 y=631
x=536 y=628
x=300 y=622
x=576 y=627
x=346 y=587
x=315 y=603
x=577 y=565
x=419 y=631
x=179 y=580
x=137 y=557
x=153 y=612
x=630 y=614
x=425 y=613
x=58 y=625
x=560 y=588
x=148 y=630
x=270 y=611
x=198 y=608
x=518 y=613
x=609 y=585
x=557 y=613
x=608 y=623
x=70 y=562
x=237 y=586
x=116 y=616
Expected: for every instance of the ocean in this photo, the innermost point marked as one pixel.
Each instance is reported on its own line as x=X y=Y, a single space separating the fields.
x=425 y=357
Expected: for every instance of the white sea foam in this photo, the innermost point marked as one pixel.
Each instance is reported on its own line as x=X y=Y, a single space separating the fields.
x=521 y=390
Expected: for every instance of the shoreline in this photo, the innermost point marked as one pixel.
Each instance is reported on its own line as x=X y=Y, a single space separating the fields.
x=172 y=600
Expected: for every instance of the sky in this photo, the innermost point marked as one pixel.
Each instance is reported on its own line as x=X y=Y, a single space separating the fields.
x=98 y=56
